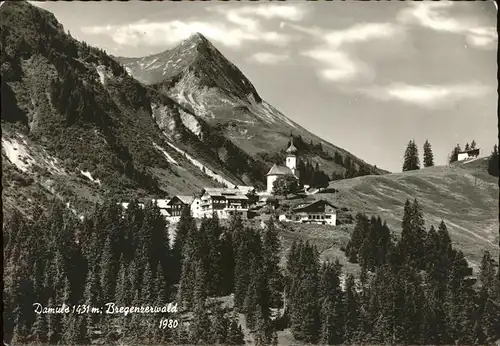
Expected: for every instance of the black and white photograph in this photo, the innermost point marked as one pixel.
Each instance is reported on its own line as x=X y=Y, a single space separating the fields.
x=233 y=172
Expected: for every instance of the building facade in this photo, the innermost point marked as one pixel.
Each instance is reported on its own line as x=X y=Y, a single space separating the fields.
x=290 y=168
x=318 y=212
x=468 y=154
x=223 y=202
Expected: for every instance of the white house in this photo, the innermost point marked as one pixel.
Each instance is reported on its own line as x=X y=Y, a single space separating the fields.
x=319 y=212
x=468 y=154
x=290 y=168
x=223 y=202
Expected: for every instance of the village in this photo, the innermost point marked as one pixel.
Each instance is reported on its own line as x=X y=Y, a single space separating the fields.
x=248 y=203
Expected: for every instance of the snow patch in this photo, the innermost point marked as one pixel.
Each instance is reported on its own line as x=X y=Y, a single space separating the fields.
x=89 y=176
x=190 y=122
x=202 y=167
x=162 y=116
x=104 y=73
x=167 y=155
x=17 y=153
x=129 y=71
x=151 y=63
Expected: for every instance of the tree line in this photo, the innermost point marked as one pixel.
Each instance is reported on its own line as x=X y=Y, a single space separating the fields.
x=418 y=289
x=414 y=290
x=457 y=149
x=411 y=159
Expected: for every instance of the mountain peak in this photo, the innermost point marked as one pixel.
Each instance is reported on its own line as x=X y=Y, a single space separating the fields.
x=198 y=36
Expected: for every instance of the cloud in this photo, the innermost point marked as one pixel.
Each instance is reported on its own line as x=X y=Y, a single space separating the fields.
x=336 y=62
x=167 y=33
x=428 y=96
x=291 y=12
x=239 y=25
x=434 y=16
x=267 y=58
x=335 y=65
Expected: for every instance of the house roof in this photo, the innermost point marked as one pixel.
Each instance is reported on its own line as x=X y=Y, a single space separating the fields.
x=245 y=189
x=302 y=206
x=162 y=203
x=237 y=197
x=279 y=170
x=185 y=199
x=227 y=193
x=471 y=151
x=291 y=149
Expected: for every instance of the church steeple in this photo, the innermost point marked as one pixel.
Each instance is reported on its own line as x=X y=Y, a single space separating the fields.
x=291 y=157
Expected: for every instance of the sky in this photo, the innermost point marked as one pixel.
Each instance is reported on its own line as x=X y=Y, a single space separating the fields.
x=365 y=76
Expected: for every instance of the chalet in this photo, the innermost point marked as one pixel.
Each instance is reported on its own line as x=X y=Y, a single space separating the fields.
x=468 y=154
x=163 y=205
x=319 y=212
x=223 y=202
x=177 y=204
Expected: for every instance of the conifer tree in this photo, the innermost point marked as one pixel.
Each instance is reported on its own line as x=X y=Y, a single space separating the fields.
x=107 y=272
x=235 y=334
x=489 y=298
x=185 y=225
x=271 y=250
x=493 y=163
x=220 y=325
x=411 y=160
x=41 y=328
x=454 y=154
x=149 y=290
x=201 y=327
x=411 y=246
x=352 y=314
x=428 y=155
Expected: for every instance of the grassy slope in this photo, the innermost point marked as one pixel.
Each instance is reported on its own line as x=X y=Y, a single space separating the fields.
x=463 y=195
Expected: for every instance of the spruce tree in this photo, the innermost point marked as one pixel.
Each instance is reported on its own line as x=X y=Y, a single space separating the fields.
x=493 y=163
x=454 y=154
x=220 y=325
x=411 y=160
x=235 y=334
x=428 y=155
x=352 y=313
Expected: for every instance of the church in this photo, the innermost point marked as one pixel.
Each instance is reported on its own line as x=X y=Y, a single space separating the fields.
x=290 y=168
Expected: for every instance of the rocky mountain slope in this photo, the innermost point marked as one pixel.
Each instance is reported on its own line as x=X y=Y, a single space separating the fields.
x=78 y=126
x=200 y=78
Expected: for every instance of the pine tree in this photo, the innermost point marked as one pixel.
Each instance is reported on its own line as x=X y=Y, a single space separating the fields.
x=489 y=297
x=235 y=334
x=41 y=328
x=493 y=163
x=473 y=145
x=454 y=154
x=201 y=328
x=428 y=155
x=107 y=272
x=411 y=246
x=467 y=148
x=271 y=250
x=185 y=225
x=411 y=160
x=352 y=314
x=220 y=325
